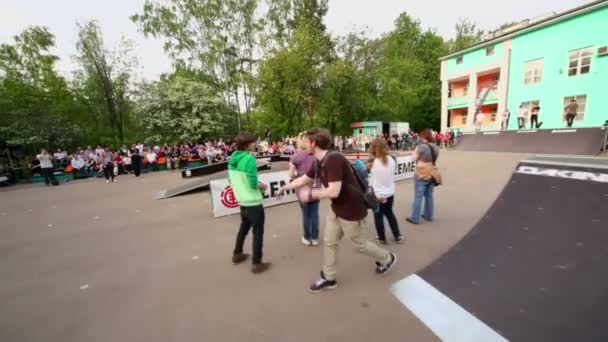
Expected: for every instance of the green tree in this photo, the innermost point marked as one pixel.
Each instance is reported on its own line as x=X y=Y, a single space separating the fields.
x=467 y=35
x=218 y=37
x=37 y=107
x=183 y=107
x=104 y=80
x=408 y=75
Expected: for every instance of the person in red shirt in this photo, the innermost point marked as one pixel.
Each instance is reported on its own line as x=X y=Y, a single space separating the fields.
x=119 y=163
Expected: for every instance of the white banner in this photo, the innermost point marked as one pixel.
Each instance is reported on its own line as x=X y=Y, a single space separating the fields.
x=405 y=168
x=224 y=202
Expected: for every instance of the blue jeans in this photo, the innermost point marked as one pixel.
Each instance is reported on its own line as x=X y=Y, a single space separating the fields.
x=310 y=220
x=386 y=209
x=422 y=189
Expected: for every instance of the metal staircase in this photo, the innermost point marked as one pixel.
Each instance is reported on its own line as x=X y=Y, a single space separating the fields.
x=481 y=98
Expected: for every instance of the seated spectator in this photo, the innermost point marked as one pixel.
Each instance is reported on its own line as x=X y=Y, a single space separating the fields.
x=126 y=159
x=79 y=167
x=151 y=157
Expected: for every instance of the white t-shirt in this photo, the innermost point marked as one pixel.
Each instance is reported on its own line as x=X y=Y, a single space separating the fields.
x=383 y=178
x=45 y=161
x=151 y=157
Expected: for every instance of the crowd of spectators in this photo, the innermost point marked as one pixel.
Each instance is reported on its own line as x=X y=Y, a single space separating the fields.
x=91 y=162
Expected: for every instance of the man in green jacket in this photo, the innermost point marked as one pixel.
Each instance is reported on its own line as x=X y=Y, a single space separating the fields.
x=242 y=173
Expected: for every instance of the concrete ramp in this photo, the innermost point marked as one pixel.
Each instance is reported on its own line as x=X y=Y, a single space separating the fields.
x=534 y=266
x=202 y=183
x=576 y=141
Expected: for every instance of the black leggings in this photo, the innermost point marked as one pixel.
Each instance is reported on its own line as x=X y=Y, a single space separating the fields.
x=251 y=217
x=108 y=171
x=386 y=210
x=570 y=119
x=533 y=121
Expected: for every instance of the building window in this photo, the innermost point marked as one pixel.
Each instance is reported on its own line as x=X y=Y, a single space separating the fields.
x=459 y=60
x=465 y=90
x=581 y=101
x=490 y=51
x=463 y=120
x=527 y=107
x=580 y=61
x=493 y=117
x=533 y=71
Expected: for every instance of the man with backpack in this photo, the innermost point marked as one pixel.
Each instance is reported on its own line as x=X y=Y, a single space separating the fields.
x=349 y=203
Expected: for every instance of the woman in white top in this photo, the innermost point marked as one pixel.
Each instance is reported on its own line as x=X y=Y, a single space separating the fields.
x=383 y=181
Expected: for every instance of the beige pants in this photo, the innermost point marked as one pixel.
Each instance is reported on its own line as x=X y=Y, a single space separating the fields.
x=335 y=229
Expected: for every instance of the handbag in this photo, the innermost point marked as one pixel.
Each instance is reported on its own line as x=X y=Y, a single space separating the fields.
x=435 y=175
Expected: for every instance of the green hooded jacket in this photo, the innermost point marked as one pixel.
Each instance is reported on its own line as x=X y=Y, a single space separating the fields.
x=242 y=173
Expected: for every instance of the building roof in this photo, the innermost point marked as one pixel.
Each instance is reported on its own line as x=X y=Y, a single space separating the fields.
x=530 y=25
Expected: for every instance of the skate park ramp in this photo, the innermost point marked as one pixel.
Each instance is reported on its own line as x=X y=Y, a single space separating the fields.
x=532 y=269
x=202 y=183
x=575 y=141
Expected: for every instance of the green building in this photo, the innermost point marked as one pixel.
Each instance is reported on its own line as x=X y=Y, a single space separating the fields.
x=544 y=62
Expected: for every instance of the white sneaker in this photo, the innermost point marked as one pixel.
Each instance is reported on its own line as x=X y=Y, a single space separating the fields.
x=315 y=242
x=114 y=180
x=305 y=242
x=108 y=181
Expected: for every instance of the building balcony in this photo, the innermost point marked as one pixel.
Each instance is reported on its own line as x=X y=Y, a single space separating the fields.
x=458 y=102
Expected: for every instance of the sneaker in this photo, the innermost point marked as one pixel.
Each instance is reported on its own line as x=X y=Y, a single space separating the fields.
x=384 y=268
x=305 y=242
x=399 y=239
x=322 y=284
x=260 y=268
x=382 y=242
x=237 y=259
x=315 y=242
x=427 y=218
x=411 y=221
x=108 y=181
x=114 y=180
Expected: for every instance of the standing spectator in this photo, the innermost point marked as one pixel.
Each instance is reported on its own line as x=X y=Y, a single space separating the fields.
x=348 y=209
x=136 y=162
x=107 y=160
x=439 y=138
x=425 y=156
x=479 y=119
x=151 y=157
x=504 y=122
x=299 y=165
x=46 y=166
x=119 y=163
x=534 y=118
x=521 y=117
x=571 y=110
x=248 y=191
x=383 y=182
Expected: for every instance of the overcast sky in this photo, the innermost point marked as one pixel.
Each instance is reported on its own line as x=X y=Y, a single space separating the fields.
x=60 y=16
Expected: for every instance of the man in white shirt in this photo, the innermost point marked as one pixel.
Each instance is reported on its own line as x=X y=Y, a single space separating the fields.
x=521 y=117
x=46 y=166
x=78 y=166
x=151 y=157
x=504 y=122
x=479 y=119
